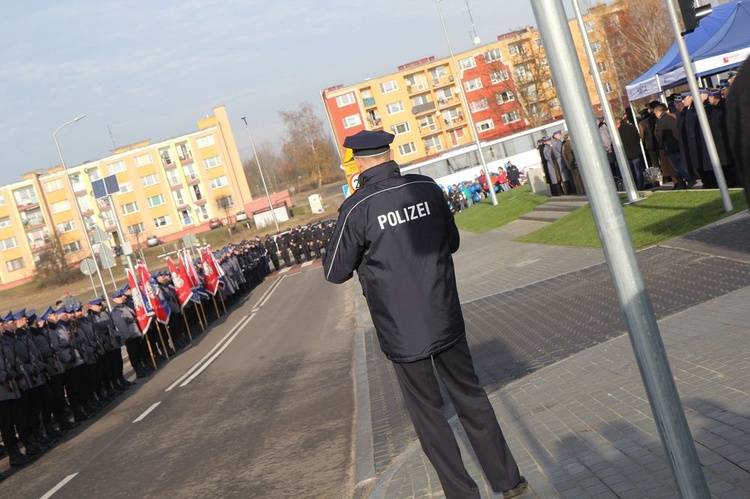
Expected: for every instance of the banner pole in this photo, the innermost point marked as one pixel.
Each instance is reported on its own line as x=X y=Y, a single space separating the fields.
x=190 y=334
x=163 y=343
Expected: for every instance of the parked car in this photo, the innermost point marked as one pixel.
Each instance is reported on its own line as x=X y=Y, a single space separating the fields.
x=215 y=223
x=152 y=241
x=240 y=216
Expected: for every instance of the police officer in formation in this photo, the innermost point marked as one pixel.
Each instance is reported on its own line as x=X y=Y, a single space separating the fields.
x=61 y=368
x=310 y=241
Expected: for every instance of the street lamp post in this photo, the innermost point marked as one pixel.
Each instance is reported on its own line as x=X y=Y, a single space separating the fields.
x=465 y=102
x=78 y=208
x=262 y=178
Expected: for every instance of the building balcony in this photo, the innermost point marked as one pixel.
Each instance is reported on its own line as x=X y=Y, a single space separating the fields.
x=186 y=160
x=423 y=108
x=443 y=81
x=369 y=102
x=443 y=102
x=452 y=124
x=200 y=201
x=193 y=179
x=169 y=166
x=31 y=224
x=417 y=89
x=28 y=204
x=430 y=129
x=176 y=187
x=375 y=123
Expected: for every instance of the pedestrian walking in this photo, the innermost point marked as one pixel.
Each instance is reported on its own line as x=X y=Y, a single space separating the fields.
x=398 y=234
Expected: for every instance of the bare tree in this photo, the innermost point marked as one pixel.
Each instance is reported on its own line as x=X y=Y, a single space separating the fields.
x=306 y=145
x=52 y=267
x=224 y=203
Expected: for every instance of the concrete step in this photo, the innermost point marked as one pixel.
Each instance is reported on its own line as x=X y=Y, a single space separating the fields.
x=543 y=216
x=555 y=206
x=574 y=198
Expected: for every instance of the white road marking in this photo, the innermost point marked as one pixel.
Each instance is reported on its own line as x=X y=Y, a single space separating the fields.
x=268 y=293
x=146 y=412
x=214 y=357
x=306 y=264
x=59 y=486
x=285 y=270
x=217 y=346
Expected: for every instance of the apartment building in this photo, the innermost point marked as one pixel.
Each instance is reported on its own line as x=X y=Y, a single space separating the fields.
x=166 y=189
x=507 y=83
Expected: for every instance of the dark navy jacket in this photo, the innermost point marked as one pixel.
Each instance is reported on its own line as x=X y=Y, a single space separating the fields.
x=398 y=234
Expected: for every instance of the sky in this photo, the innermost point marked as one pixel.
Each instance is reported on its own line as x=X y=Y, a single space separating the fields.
x=144 y=69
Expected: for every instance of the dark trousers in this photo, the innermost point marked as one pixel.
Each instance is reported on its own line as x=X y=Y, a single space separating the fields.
x=425 y=405
x=7 y=429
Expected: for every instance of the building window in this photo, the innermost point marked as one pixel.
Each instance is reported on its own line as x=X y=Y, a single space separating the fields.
x=554 y=103
x=143 y=160
x=2 y=200
x=352 y=120
x=162 y=221
x=116 y=167
x=25 y=196
x=394 y=107
x=388 y=86
x=211 y=162
x=513 y=49
x=406 y=149
x=166 y=156
x=596 y=46
x=218 y=182
x=129 y=208
x=150 y=180
x=538 y=42
x=433 y=143
x=154 y=201
x=16 y=264
x=4 y=222
x=190 y=172
x=108 y=218
x=9 y=243
x=602 y=67
x=53 y=186
x=401 y=128
x=467 y=63
x=438 y=73
x=473 y=84
x=483 y=126
x=456 y=135
x=196 y=193
x=503 y=97
x=345 y=100
x=125 y=187
x=136 y=229
x=544 y=64
x=64 y=227
x=172 y=177
x=179 y=197
x=590 y=26
x=206 y=141
x=511 y=117
x=523 y=73
x=73 y=247
x=493 y=55
x=479 y=105
x=608 y=87
x=93 y=174
x=548 y=83
x=60 y=206
x=499 y=76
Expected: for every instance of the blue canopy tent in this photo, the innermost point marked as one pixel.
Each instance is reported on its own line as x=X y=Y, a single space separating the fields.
x=668 y=71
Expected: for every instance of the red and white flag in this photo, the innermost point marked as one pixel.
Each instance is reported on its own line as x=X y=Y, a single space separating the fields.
x=181 y=282
x=153 y=293
x=187 y=264
x=141 y=313
x=211 y=271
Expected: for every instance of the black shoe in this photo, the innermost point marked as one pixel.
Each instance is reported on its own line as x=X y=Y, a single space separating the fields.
x=517 y=490
x=125 y=384
x=692 y=183
x=18 y=459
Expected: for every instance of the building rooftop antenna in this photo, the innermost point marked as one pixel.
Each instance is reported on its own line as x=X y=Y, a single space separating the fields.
x=473 y=33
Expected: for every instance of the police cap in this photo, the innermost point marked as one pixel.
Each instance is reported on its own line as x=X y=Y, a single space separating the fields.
x=369 y=143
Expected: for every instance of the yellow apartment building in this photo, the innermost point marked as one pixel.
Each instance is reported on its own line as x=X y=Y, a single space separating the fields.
x=507 y=83
x=166 y=189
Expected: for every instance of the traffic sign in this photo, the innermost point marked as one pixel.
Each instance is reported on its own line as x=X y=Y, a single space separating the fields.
x=88 y=266
x=107 y=257
x=188 y=240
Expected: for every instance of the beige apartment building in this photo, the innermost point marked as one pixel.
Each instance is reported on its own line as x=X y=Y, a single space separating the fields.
x=166 y=189
x=507 y=83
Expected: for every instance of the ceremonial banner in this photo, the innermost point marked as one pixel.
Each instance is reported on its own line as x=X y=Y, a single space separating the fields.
x=210 y=272
x=181 y=282
x=141 y=313
x=153 y=294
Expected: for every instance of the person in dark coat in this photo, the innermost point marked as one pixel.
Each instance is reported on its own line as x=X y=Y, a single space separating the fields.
x=666 y=134
x=273 y=251
x=569 y=157
x=716 y=111
x=398 y=234
x=631 y=142
x=738 y=126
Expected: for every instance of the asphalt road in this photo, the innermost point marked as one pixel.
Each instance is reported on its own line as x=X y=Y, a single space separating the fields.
x=270 y=416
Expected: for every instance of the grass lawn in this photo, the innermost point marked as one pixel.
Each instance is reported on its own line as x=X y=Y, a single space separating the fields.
x=661 y=216
x=483 y=217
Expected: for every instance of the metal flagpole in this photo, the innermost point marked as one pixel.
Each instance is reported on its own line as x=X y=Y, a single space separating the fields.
x=640 y=142
x=465 y=103
x=622 y=159
x=699 y=109
x=187 y=326
x=161 y=337
x=619 y=252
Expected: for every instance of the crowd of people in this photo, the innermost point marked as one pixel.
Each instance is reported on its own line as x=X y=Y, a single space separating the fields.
x=670 y=135
x=61 y=367
x=301 y=243
x=465 y=194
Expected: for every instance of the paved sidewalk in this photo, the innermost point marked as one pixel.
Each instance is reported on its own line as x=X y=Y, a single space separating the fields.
x=582 y=427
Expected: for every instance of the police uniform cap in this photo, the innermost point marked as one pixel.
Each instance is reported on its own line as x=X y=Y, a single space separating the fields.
x=723 y=84
x=714 y=92
x=47 y=313
x=62 y=310
x=118 y=294
x=686 y=94
x=546 y=139
x=31 y=315
x=19 y=315
x=678 y=100
x=96 y=302
x=557 y=132
x=368 y=143
x=600 y=118
x=732 y=73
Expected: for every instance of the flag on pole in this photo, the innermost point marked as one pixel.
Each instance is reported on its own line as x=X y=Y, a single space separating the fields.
x=210 y=272
x=153 y=294
x=141 y=312
x=181 y=282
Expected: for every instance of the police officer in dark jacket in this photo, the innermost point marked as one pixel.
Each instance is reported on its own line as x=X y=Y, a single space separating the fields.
x=398 y=234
